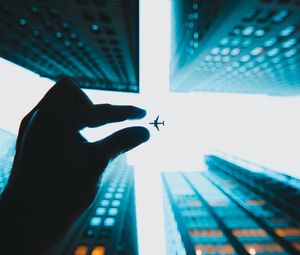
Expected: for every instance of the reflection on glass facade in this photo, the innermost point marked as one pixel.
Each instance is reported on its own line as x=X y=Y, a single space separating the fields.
x=231 y=210
x=244 y=46
x=108 y=227
x=96 y=43
x=7 y=153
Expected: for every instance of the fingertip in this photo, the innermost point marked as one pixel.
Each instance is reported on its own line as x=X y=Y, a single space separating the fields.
x=138 y=113
x=142 y=133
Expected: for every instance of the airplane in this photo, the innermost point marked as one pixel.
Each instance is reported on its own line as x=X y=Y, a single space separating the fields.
x=155 y=123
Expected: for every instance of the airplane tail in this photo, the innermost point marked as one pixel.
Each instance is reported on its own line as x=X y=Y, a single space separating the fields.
x=163 y=122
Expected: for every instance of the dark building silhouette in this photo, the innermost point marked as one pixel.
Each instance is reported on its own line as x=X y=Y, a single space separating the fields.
x=108 y=227
x=231 y=209
x=94 y=42
x=241 y=46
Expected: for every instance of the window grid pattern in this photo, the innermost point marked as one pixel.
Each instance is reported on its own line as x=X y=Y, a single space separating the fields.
x=86 y=41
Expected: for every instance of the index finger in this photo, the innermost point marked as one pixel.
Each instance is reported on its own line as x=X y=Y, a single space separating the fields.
x=98 y=115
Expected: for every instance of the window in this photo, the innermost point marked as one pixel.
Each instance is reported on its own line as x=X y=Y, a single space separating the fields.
x=113 y=211
x=255 y=248
x=287 y=232
x=81 y=250
x=108 y=195
x=205 y=232
x=213 y=249
x=104 y=203
x=109 y=222
x=98 y=250
x=116 y=203
x=255 y=202
x=249 y=232
x=100 y=211
x=95 y=221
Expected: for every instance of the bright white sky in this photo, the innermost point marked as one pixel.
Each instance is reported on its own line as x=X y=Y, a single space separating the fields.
x=261 y=129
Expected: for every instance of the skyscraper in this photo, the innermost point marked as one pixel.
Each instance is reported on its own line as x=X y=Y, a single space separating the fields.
x=7 y=153
x=108 y=227
x=235 y=46
x=230 y=209
x=94 y=42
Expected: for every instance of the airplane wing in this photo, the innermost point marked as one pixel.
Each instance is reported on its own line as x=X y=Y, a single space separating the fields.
x=156 y=125
x=156 y=120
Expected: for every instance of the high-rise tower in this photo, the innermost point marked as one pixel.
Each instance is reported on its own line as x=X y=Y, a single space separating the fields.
x=108 y=227
x=94 y=42
x=236 y=46
x=221 y=211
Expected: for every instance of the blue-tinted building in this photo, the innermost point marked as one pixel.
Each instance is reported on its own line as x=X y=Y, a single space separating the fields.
x=240 y=46
x=108 y=227
x=94 y=42
x=7 y=153
x=230 y=209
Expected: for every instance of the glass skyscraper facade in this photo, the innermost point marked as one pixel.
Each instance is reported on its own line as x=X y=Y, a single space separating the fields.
x=108 y=227
x=240 y=46
x=230 y=209
x=7 y=153
x=96 y=42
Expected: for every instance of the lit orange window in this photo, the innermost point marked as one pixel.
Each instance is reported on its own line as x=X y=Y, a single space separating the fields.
x=224 y=249
x=192 y=232
x=98 y=250
x=296 y=246
x=218 y=203
x=255 y=202
x=81 y=250
x=194 y=202
x=287 y=231
x=198 y=249
x=200 y=232
x=209 y=249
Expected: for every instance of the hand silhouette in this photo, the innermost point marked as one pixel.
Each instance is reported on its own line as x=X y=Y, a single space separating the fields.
x=56 y=171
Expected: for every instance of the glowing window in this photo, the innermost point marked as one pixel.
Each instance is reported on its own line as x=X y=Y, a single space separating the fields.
x=260 y=32
x=287 y=31
x=273 y=52
x=256 y=51
x=104 y=203
x=290 y=53
x=235 y=52
x=280 y=16
x=224 y=41
x=245 y=58
x=108 y=195
x=208 y=58
x=215 y=51
x=109 y=222
x=289 y=43
x=23 y=22
x=95 y=221
x=98 y=250
x=287 y=232
x=95 y=27
x=113 y=211
x=255 y=202
x=235 y=42
x=270 y=42
x=111 y=189
x=248 y=31
x=115 y=203
x=260 y=59
x=100 y=211
x=59 y=35
x=81 y=250
x=246 y=43
x=225 y=51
